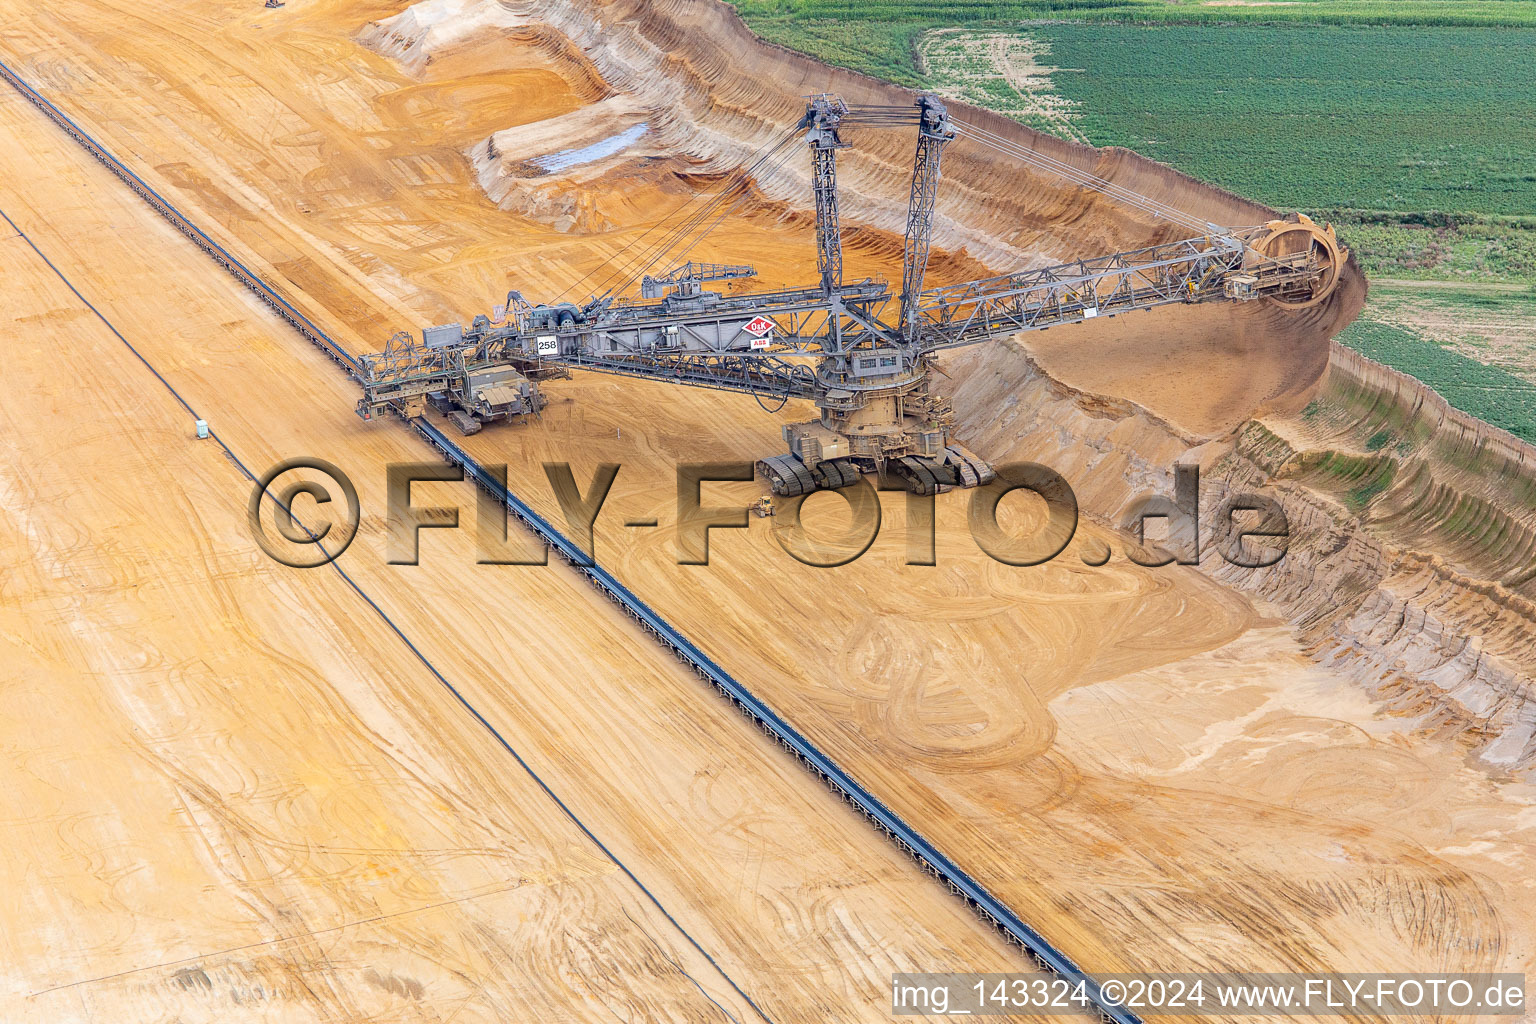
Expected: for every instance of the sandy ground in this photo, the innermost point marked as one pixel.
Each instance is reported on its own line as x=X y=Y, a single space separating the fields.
x=1144 y=763
x=236 y=795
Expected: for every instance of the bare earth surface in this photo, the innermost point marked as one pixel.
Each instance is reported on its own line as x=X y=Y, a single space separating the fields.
x=970 y=65
x=1499 y=330
x=235 y=794
x=232 y=781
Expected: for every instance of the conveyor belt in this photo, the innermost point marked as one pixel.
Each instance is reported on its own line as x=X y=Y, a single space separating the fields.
x=898 y=831
x=281 y=306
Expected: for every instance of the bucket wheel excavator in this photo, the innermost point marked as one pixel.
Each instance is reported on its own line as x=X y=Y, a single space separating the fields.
x=870 y=375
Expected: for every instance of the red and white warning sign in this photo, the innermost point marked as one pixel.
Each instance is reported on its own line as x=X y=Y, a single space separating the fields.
x=761 y=328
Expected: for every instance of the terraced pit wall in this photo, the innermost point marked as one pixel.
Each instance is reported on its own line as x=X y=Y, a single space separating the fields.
x=1414 y=545
x=711 y=95
x=1412 y=562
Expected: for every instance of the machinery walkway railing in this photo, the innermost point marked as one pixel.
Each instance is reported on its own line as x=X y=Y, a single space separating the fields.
x=907 y=838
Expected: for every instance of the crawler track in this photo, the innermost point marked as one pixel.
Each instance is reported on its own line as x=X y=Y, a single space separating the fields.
x=932 y=859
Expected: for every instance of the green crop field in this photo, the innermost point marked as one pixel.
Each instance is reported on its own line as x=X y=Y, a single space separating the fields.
x=1418 y=140
x=878 y=38
x=1410 y=124
x=1304 y=117
x=1319 y=116
x=1487 y=392
x=1440 y=247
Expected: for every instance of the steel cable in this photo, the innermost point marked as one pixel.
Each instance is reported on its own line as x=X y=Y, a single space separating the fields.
x=653 y=254
x=1077 y=175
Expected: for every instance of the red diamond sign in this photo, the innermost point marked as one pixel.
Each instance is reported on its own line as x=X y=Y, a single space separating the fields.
x=758 y=325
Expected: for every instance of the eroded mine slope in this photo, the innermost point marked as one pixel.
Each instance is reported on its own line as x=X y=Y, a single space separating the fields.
x=1321 y=765
x=236 y=794
x=683 y=87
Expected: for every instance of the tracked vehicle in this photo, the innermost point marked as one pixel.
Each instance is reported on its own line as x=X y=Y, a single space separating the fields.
x=870 y=376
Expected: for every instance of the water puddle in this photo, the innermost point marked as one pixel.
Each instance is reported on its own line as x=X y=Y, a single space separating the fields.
x=568 y=158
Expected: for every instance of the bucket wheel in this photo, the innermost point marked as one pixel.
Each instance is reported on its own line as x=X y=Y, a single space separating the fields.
x=1298 y=234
